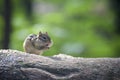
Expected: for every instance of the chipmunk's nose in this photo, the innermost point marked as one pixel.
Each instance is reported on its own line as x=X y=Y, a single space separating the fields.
x=47 y=44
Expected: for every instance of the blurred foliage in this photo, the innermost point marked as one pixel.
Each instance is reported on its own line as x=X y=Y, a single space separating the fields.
x=77 y=27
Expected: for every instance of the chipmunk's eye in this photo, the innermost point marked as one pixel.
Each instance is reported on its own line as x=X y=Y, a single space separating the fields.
x=44 y=38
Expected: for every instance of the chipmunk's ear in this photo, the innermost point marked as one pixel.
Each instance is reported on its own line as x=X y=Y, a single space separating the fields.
x=40 y=33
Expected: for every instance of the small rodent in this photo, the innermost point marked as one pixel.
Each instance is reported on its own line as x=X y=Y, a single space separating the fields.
x=36 y=44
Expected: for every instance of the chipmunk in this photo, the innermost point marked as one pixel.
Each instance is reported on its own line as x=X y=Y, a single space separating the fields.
x=36 y=44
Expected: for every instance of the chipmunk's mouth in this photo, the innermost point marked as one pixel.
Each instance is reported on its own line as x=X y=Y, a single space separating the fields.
x=49 y=44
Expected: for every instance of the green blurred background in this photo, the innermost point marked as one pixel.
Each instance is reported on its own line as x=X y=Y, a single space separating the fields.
x=86 y=28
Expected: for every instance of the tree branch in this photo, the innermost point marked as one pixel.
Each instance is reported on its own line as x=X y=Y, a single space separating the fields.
x=16 y=65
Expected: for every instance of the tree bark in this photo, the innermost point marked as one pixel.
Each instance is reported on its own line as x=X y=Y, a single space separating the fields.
x=17 y=65
x=7 y=28
x=115 y=5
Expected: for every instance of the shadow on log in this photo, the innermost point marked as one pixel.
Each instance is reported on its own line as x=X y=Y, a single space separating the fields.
x=16 y=65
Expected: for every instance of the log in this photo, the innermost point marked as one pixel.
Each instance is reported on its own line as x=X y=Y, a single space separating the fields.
x=17 y=65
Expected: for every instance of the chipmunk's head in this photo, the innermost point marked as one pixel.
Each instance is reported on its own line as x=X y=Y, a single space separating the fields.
x=46 y=40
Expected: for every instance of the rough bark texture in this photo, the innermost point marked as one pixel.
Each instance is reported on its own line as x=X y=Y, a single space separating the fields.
x=16 y=65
